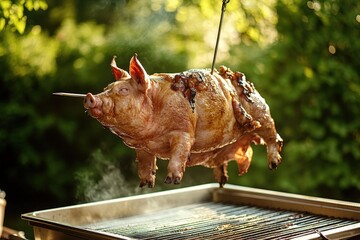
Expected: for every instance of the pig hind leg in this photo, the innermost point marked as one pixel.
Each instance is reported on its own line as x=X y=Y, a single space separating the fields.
x=241 y=152
x=274 y=147
x=273 y=142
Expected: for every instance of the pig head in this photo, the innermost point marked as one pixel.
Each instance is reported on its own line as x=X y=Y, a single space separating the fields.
x=148 y=117
x=190 y=118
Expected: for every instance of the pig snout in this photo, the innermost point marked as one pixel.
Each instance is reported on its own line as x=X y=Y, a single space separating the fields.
x=94 y=105
x=91 y=101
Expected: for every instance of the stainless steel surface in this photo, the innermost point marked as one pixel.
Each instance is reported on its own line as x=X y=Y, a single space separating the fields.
x=202 y=212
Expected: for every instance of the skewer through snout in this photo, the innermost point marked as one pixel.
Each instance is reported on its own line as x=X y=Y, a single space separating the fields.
x=77 y=95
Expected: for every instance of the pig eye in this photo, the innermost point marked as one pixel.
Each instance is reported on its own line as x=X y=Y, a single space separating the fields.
x=123 y=91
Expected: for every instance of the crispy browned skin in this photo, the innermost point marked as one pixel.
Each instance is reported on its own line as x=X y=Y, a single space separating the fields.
x=190 y=118
x=251 y=105
x=253 y=116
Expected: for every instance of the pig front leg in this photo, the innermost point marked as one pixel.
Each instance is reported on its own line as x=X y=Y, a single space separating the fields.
x=146 y=168
x=241 y=152
x=180 y=145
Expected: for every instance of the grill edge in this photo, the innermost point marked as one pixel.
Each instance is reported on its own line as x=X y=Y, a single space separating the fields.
x=69 y=222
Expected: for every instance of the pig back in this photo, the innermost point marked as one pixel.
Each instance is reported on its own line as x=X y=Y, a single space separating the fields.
x=211 y=96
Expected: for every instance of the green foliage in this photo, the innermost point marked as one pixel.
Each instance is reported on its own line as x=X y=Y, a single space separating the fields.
x=301 y=55
x=47 y=138
x=12 y=13
x=310 y=78
x=27 y=56
x=326 y=140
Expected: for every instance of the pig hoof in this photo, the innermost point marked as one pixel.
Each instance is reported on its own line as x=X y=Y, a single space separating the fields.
x=242 y=169
x=223 y=181
x=274 y=162
x=272 y=165
x=142 y=184
x=151 y=184
x=177 y=180
x=168 y=180
x=242 y=172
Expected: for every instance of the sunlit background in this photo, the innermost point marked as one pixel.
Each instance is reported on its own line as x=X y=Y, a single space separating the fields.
x=302 y=56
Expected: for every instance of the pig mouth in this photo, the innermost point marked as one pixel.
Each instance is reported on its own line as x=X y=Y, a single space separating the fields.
x=95 y=112
x=93 y=104
x=99 y=107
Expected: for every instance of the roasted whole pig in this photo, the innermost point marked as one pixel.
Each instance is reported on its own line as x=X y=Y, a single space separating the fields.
x=190 y=118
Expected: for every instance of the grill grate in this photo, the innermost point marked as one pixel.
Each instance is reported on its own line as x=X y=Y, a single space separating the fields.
x=219 y=221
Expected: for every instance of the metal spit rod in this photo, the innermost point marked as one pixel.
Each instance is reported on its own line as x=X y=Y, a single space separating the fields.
x=223 y=8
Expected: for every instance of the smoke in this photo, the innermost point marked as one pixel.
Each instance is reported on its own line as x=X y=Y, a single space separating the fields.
x=107 y=176
x=102 y=179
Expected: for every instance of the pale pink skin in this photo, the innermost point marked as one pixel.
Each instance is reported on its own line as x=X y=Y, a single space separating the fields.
x=159 y=123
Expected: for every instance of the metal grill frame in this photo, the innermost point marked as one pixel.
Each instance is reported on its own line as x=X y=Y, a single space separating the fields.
x=67 y=222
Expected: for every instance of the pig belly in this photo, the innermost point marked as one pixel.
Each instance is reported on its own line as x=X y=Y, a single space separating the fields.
x=218 y=159
x=208 y=139
x=216 y=125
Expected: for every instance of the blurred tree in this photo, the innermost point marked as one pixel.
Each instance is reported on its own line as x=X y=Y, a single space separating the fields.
x=323 y=78
x=47 y=139
x=12 y=13
x=301 y=55
x=310 y=78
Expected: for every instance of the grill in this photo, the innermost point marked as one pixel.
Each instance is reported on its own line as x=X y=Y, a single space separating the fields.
x=204 y=211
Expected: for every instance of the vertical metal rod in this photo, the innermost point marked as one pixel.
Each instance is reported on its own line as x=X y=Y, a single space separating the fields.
x=223 y=8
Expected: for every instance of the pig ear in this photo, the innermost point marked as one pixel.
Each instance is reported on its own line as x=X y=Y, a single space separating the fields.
x=138 y=74
x=118 y=72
